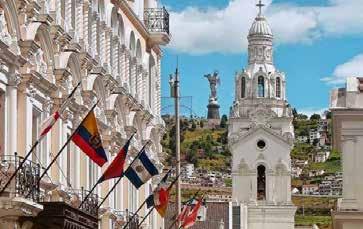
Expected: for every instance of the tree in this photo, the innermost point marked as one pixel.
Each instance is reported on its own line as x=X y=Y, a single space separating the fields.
x=294 y=112
x=194 y=126
x=201 y=124
x=328 y=115
x=302 y=117
x=315 y=117
x=224 y=121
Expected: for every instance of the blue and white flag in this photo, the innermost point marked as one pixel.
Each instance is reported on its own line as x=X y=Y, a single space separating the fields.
x=141 y=170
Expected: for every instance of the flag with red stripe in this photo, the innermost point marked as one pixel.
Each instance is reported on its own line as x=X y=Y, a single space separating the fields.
x=88 y=139
x=190 y=219
x=48 y=124
x=116 y=168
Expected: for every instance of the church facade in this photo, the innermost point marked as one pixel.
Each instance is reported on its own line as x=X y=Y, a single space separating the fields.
x=261 y=137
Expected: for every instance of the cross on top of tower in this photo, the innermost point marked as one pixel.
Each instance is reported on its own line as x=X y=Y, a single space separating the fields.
x=260 y=5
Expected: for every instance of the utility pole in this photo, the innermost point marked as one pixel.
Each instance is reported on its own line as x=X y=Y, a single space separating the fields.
x=174 y=86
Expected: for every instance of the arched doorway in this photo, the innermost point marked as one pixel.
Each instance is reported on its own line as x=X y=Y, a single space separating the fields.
x=261 y=182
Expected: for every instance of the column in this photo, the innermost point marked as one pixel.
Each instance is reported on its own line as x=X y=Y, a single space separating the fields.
x=79 y=20
x=11 y=114
x=108 y=37
x=86 y=29
x=348 y=161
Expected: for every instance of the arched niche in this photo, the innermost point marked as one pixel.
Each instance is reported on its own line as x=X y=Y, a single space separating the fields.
x=138 y=52
x=132 y=44
x=261 y=182
x=150 y=90
x=44 y=57
x=11 y=17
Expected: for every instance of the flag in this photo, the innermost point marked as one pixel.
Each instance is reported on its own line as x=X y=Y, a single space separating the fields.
x=116 y=168
x=184 y=212
x=51 y=120
x=190 y=219
x=48 y=124
x=160 y=197
x=141 y=170
x=88 y=139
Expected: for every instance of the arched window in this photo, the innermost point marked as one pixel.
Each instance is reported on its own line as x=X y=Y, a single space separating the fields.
x=261 y=182
x=278 y=87
x=243 y=87
x=261 y=86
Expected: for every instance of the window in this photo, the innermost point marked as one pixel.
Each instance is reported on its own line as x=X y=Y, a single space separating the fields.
x=278 y=87
x=261 y=182
x=243 y=87
x=261 y=86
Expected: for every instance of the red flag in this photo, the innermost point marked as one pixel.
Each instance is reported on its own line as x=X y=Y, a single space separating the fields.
x=192 y=217
x=185 y=211
x=163 y=201
x=48 y=124
x=116 y=168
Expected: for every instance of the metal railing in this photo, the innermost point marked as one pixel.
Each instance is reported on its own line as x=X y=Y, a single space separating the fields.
x=26 y=180
x=157 y=20
x=89 y=206
x=125 y=216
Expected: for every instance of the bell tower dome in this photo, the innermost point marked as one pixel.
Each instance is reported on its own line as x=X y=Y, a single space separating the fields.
x=260 y=41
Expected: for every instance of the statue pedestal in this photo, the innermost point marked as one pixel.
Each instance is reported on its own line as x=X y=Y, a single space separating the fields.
x=213 y=111
x=213 y=115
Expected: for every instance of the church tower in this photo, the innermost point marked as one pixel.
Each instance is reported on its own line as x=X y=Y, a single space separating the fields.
x=261 y=137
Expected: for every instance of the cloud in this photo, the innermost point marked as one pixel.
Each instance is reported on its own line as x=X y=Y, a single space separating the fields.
x=312 y=110
x=353 y=67
x=224 y=30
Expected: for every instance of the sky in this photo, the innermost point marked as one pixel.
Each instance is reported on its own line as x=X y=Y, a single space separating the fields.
x=317 y=43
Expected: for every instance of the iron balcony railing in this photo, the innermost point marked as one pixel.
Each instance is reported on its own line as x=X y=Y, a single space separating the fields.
x=25 y=183
x=125 y=216
x=90 y=205
x=157 y=20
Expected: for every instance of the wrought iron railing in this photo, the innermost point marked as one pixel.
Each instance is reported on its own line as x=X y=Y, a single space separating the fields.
x=125 y=216
x=157 y=20
x=89 y=206
x=25 y=183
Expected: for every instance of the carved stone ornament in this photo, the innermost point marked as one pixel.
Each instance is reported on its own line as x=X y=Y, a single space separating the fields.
x=261 y=115
x=243 y=167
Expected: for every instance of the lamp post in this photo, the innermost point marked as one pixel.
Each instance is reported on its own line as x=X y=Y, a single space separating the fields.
x=174 y=91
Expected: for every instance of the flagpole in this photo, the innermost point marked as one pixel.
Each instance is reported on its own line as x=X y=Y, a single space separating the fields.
x=63 y=147
x=20 y=166
x=119 y=179
x=98 y=181
x=143 y=203
x=134 y=214
x=32 y=149
x=139 y=224
x=194 y=196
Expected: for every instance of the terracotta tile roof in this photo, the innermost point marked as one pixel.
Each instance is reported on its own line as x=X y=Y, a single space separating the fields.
x=215 y=212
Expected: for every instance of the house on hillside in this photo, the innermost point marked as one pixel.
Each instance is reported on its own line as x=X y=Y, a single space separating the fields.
x=310 y=189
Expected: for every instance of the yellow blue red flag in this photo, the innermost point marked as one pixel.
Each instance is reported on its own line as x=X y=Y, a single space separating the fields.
x=88 y=139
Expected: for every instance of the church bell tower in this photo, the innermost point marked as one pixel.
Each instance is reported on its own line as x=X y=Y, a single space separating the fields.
x=261 y=137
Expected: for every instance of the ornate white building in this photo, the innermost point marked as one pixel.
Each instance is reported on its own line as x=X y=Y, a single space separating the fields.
x=46 y=48
x=260 y=138
x=347 y=116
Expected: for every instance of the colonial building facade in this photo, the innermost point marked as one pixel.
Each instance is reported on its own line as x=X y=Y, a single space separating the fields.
x=347 y=115
x=261 y=137
x=46 y=47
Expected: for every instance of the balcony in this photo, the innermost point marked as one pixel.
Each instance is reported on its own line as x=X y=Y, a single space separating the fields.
x=25 y=200
x=123 y=217
x=156 y=21
x=14 y=201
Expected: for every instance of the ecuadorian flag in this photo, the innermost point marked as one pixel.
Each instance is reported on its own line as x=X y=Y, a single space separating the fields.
x=88 y=139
